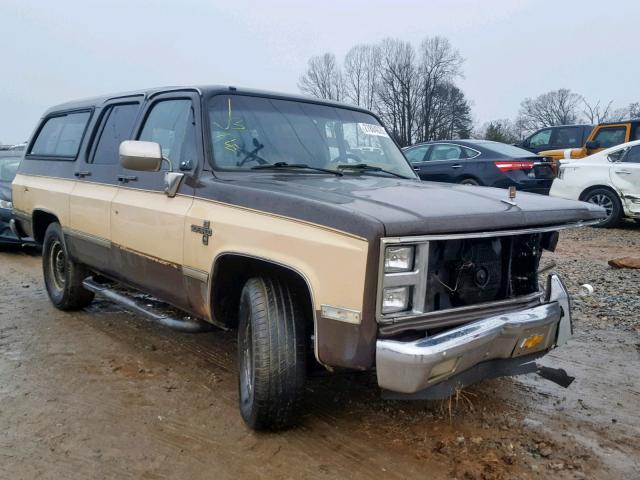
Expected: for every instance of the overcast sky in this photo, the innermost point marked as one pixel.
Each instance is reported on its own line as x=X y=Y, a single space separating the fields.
x=53 y=51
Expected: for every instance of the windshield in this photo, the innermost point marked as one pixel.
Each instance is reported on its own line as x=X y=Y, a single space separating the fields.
x=249 y=131
x=8 y=168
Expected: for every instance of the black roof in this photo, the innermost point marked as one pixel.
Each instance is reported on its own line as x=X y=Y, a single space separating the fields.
x=202 y=90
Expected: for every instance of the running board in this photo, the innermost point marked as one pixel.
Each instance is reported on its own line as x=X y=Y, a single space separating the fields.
x=188 y=326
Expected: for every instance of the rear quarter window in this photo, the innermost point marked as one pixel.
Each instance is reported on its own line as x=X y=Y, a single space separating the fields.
x=61 y=135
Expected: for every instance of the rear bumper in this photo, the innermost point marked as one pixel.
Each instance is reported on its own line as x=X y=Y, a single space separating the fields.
x=410 y=367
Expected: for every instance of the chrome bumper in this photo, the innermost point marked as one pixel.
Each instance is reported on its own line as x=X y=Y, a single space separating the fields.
x=409 y=367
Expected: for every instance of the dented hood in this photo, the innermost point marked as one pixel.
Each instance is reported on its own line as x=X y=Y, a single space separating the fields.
x=369 y=205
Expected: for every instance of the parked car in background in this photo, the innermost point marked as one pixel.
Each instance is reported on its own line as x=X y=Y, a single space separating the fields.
x=481 y=162
x=610 y=179
x=604 y=135
x=8 y=168
x=552 y=138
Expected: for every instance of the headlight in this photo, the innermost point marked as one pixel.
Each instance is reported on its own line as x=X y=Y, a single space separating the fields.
x=6 y=204
x=395 y=299
x=398 y=259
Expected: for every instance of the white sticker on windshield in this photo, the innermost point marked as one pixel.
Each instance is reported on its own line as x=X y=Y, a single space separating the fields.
x=371 y=129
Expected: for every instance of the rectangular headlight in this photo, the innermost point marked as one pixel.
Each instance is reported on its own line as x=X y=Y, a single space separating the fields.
x=6 y=204
x=398 y=259
x=395 y=299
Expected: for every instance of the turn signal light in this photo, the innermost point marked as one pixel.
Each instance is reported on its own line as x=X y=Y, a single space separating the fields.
x=532 y=341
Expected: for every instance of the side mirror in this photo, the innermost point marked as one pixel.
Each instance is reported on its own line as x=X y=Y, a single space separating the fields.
x=141 y=156
x=592 y=145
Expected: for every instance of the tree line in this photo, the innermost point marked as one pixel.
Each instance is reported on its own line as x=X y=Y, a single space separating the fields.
x=413 y=90
x=557 y=107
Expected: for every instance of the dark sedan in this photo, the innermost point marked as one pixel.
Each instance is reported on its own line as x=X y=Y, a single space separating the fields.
x=481 y=162
x=8 y=168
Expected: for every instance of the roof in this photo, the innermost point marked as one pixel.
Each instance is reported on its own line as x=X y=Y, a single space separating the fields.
x=203 y=90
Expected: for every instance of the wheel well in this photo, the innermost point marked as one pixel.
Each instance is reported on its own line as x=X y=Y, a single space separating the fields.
x=471 y=177
x=41 y=221
x=586 y=191
x=231 y=272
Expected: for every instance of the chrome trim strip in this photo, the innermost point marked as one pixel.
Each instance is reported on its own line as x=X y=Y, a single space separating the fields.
x=103 y=242
x=199 y=275
x=497 y=233
x=410 y=367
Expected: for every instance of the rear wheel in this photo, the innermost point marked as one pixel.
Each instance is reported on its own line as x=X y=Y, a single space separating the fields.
x=608 y=200
x=62 y=276
x=271 y=354
x=469 y=181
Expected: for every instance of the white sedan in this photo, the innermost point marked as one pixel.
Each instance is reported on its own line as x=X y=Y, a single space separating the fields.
x=610 y=178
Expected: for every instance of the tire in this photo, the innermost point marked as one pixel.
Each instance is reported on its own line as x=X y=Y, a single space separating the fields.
x=610 y=202
x=470 y=181
x=271 y=355
x=62 y=276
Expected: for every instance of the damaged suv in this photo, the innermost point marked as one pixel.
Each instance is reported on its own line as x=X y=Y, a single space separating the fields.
x=300 y=223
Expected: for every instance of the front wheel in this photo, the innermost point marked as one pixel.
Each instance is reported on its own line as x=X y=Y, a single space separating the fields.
x=271 y=354
x=62 y=276
x=609 y=201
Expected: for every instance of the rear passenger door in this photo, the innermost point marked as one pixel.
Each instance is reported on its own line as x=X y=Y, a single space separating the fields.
x=97 y=185
x=147 y=226
x=625 y=175
x=445 y=162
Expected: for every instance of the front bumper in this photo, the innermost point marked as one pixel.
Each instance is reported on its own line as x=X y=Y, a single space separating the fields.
x=410 y=367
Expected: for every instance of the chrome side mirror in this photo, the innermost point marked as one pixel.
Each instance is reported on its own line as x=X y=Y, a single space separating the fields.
x=172 y=182
x=141 y=156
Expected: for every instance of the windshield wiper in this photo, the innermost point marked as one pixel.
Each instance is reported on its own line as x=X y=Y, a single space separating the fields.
x=285 y=166
x=363 y=167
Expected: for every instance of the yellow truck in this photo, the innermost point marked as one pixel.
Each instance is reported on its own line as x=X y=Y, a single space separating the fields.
x=604 y=135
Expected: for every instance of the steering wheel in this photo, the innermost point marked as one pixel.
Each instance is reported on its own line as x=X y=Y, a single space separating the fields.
x=350 y=158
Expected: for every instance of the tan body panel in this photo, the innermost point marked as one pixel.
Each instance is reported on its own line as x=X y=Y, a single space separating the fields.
x=321 y=255
x=52 y=195
x=89 y=209
x=150 y=223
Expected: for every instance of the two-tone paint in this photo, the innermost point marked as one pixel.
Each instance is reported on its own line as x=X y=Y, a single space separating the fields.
x=326 y=230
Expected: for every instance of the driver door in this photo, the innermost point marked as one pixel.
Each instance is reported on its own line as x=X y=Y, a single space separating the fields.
x=148 y=226
x=625 y=175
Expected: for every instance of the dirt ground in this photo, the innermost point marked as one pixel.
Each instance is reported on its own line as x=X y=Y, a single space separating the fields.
x=104 y=394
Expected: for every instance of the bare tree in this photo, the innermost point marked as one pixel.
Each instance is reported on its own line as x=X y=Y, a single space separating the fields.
x=596 y=113
x=558 y=107
x=397 y=88
x=440 y=63
x=323 y=78
x=361 y=74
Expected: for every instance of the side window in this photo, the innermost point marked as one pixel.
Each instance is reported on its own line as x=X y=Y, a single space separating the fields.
x=617 y=155
x=60 y=136
x=633 y=155
x=469 y=153
x=445 y=152
x=115 y=127
x=171 y=124
x=567 y=137
x=636 y=135
x=543 y=137
x=611 y=136
x=416 y=155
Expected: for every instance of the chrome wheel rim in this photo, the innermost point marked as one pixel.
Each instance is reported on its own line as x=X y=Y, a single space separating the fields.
x=602 y=200
x=58 y=264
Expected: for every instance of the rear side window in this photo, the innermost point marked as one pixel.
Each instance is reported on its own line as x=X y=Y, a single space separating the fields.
x=633 y=155
x=116 y=126
x=567 y=137
x=60 y=136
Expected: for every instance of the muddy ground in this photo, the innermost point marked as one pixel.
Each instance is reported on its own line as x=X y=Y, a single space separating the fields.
x=103 y=394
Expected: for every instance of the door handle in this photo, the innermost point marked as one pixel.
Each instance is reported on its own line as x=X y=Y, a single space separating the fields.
x=623 y=172
x=457 y=165
x=127 y=178
x=82 y=174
